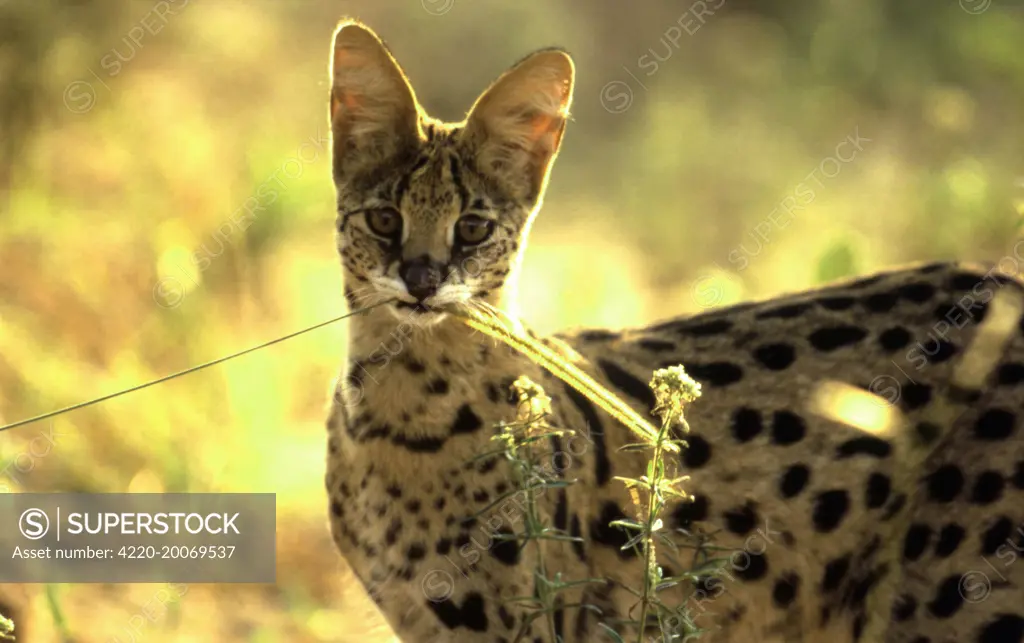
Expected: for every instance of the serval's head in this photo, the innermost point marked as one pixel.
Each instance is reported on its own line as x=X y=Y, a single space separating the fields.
x=430 y=213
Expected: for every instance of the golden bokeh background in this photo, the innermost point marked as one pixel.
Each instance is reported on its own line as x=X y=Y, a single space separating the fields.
x=704 y=165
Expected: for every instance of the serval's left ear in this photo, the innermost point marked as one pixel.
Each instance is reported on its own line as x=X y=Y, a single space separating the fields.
x=515 y=128
x=374 y=114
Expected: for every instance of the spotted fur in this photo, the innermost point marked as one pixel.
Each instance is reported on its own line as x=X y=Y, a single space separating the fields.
x=823 y=541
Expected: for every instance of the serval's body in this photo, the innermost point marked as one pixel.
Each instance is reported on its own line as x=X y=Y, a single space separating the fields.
x=832 y=540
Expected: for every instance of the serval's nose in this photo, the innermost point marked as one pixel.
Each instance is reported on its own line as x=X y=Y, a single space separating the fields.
x=421 y=276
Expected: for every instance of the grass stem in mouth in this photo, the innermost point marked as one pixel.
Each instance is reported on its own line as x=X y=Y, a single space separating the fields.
x=494 y=323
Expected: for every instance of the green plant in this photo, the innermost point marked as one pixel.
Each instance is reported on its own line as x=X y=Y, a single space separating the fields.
x=6 y=628
x=673 y=390
x=522 y=441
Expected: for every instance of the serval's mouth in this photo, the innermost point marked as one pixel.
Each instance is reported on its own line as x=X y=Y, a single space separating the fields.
x=419 y=307
x=417 y=313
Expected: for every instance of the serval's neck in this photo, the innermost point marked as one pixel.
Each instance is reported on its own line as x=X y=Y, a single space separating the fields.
x=418 y=388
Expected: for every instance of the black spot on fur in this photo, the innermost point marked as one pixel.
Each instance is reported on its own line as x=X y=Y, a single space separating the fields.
x=628 y=383
x=414 y=366
x=656 y=345
x=1011 y=374
x=937 y=351
x=948 y=599
x=834 y=337
x=903 y=608
x=418 y=445
x=880 y=302
x=997 y=534
x=859 y=590
x=705 y=329
x=562 y=511
x=391 y=534
x=864 y=445
x=416 y=551
x=785 y=590
x=486 y=466
x=1005 y=628
x=835 y=572
x=470 y=614
x=507 y=619
x=866 y=282
x=838 y=302
x=697 y=453
x=1018 y=475
x=506 y=551
x=753 y=567
x=785 y=312
x=437 y=386
x=466 y=421
x=576 y=532
x=741 y=520
x=687 y=513
x=830 y=508
x=945 y=483
x=877 y=490
x=950 y=538
x=893 y=339
x=916 y=541
x=775 y=357
x=918 y=292
x=963 y=395
x=857 y=628
x=927 y=433
x=715 y=374
x=988 y=487
x=995 y=424
x=598 y=336
x=443 y=546
x=602 y=464
x=794 y=480
x=376 y=432
x=965 y=281
x=603 y=533
x=914 y=396
x=746 y=424
x=787 y=428
x=493 y=394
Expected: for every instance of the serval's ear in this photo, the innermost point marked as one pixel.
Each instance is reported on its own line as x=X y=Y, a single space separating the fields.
x=516 y=126
x=374 y=115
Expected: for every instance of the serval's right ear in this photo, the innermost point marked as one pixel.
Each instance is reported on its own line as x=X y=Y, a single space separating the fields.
x=374 y=114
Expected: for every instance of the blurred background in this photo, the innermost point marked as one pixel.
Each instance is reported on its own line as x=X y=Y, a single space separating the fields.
x=166 y=200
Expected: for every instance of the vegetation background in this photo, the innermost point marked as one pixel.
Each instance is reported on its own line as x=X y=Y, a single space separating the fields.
x=134 y=134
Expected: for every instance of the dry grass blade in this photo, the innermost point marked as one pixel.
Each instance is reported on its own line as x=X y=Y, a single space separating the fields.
x=493 y=323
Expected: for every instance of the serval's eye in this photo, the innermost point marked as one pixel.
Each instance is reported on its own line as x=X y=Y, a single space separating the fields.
x=385 y=222
x=471 y=230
